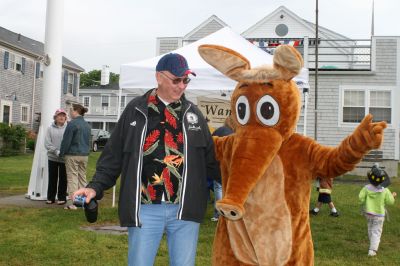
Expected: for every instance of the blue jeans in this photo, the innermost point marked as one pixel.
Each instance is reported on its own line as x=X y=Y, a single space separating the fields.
x=217 y=196
x=156 y=219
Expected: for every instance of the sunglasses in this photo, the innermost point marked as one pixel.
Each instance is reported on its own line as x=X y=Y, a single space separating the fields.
x=176 y=81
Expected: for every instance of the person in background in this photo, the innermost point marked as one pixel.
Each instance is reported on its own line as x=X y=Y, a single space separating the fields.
x=324 y=189
x=163 y=150
x=75 y=150
x=56 y=165
x=222 y=131
x=373 y=198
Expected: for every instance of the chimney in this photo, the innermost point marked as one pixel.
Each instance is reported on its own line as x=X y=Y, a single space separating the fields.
x=105 y=75
x=19 y=37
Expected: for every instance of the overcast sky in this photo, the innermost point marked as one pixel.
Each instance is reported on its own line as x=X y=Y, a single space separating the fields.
x=112 y=32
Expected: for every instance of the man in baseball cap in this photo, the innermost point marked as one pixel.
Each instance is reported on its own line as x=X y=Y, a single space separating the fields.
x=162 y=188
x=172 y=73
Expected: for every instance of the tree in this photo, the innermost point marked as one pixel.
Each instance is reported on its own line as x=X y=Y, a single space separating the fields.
x=92 y=78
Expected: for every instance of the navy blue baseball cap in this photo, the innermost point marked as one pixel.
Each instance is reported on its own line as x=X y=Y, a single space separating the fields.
x=174 y=63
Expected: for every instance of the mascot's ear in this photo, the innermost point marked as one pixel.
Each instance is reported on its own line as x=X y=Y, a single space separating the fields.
x=227 y=61
x=288 y=61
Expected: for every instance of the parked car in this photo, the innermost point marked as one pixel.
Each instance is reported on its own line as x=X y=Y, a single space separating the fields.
x=99 y=138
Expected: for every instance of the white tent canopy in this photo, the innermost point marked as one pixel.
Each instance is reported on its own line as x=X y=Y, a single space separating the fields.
x=141 y=74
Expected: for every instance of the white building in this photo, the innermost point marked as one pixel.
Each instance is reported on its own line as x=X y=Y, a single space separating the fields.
x=102 y=102
x=355 y=77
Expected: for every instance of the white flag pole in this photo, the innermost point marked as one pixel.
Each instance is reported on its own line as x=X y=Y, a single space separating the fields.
x=50 y=96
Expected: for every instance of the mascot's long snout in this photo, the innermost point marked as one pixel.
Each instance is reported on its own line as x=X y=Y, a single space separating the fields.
x=251 y=161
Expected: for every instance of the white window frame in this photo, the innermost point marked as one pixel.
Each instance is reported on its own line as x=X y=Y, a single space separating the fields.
x=2 y=104
x=123 y=103
x=14 y=61
x=41 y=71
x=89 y=102
x=27 y=106
x=367 y=89
x=108 y=101
x=70 y=83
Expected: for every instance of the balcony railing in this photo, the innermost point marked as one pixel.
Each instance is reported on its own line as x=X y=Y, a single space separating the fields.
x=333 y=54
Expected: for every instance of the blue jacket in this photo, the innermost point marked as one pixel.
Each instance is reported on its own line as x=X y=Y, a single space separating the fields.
x=76 y=138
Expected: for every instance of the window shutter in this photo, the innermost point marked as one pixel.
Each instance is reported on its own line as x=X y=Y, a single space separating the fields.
x=23 y=65
x=65 y=85
x=75 y=88
x=37 y=70
x=6 y=56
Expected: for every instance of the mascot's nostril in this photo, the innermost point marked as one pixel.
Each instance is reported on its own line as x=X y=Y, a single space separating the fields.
x=233 y=213
x=222 y=213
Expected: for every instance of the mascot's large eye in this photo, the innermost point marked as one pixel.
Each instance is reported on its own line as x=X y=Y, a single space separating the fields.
x=242 y=110
x=268 y=110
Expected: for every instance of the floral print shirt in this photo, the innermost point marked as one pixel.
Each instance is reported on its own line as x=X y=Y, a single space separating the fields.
x=162 y=152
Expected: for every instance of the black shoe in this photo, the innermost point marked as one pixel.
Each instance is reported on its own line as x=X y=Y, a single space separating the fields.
x=334 y=214
x=313 y=212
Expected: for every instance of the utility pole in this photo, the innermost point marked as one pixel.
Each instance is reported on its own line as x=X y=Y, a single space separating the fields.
x=51 y=96
x=316 y=74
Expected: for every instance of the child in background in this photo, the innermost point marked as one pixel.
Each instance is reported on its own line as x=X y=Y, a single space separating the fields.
x=374 y=197
x=325 y=189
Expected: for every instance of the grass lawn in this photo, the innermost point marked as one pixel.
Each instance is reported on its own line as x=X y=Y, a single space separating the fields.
x=52 y=236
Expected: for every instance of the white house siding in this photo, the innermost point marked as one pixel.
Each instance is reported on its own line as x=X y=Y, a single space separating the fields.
x=204 y=31
x=330 y=131
x=165 y=44
x=266 y=29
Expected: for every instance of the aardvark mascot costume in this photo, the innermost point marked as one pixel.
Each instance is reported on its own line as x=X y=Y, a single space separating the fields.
x=266 y=167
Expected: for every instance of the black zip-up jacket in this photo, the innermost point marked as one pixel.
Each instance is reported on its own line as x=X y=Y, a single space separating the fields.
x=123 y=155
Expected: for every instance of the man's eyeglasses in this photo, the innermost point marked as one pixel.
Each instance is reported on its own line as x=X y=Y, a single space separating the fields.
x=176 y=81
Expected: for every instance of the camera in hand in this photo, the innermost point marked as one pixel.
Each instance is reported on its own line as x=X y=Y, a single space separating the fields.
x=90 y=208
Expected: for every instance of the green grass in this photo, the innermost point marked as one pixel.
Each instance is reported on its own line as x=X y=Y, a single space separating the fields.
x=52 y=236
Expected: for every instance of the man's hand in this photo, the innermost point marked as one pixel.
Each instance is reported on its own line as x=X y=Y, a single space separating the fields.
x=394 y=194
x=89 y=193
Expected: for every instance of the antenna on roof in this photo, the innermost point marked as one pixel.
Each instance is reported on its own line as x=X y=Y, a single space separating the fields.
x=372 y=21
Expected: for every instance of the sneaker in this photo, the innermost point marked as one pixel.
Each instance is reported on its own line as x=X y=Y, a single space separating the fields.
x=313 y=212
x=371 y=253
x=214 y=219
x=334 y=214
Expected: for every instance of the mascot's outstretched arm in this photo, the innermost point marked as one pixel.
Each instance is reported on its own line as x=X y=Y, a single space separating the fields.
x=332 y=162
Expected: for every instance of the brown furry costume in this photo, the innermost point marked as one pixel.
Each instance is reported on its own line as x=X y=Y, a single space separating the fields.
x=266 y=167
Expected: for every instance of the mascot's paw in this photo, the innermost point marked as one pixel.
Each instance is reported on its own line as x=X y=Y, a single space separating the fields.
x=370 y=133
x=229 y=209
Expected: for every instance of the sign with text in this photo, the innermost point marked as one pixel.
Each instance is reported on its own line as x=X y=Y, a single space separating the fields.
x=214 y=110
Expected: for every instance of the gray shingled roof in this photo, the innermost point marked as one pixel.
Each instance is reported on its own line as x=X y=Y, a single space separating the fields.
x=30 y=46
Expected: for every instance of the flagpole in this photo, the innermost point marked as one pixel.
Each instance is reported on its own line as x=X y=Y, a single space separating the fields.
x=118 y=116
x=50 y=96
x=316 y=74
